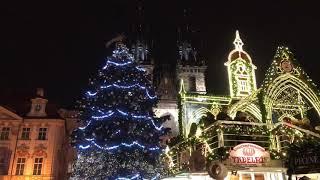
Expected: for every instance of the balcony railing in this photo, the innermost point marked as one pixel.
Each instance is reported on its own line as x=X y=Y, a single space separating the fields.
x=227 y=134
x=231 y=133
x=287 y=133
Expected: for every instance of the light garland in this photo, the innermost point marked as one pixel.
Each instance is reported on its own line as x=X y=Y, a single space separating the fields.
x=122 y=50
x=111 y=113
x=116 y=64
x=133 y=177
x=84 y=127
x=141 y=69
x=92 y=94
x=122 y=64
x=103 y=116
x=116 y=146
x=167 y=150
x=101 y=106
x=137 y=176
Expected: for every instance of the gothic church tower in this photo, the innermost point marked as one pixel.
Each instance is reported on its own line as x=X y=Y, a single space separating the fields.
x=140 y=46
x=190 y=68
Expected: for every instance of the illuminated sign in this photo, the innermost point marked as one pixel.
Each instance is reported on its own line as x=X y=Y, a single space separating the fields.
x=249 y=155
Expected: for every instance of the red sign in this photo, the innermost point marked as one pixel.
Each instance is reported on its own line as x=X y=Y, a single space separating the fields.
x=249 y=154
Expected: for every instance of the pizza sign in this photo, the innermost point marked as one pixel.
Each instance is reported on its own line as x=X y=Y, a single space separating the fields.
x=249 y=154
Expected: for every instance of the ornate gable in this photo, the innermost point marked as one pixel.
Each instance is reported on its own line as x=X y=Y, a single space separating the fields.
x=6 y=114
x=288 y=90
x=284 y=64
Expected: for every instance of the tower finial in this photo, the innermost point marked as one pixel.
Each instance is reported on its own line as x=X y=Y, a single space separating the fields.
x=238 y=42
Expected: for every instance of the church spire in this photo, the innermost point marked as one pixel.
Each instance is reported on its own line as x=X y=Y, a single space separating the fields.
x=238 y=42
x=139 y=21
x=140 y=48
x=190 y=69
x=187 y=54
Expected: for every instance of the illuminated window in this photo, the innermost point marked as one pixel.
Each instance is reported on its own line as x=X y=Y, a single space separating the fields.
x=4 y=134
x=243 y=85
x=20 y=166
x=25 y=133
x=42 y=134
x=37 y=167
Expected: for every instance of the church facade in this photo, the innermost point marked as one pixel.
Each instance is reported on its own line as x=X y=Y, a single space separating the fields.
x=244 y=134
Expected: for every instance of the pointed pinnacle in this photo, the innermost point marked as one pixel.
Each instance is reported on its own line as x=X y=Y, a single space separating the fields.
x=238 y=42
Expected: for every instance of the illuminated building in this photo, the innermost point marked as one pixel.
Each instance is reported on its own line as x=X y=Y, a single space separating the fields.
x=261 y=121
x=34 y=140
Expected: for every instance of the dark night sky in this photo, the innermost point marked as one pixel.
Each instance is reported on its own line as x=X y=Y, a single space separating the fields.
x=59 y=46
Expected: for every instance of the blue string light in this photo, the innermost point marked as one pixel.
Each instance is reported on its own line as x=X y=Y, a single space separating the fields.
x=123 y=113
x=123 y=87
x=133 y=177
x=91 y=94
x=100 y=114
x=136 y=176
x=103 y=116
x=118 y=52
x=105 y=87
x=84 y=127
x=156 y=177
x=116 y=64
x=111 y=113
x=141 y=69
x=122 y=64
x=84 y=147
x=150 y=97
x=117 y=146
x=126 y=87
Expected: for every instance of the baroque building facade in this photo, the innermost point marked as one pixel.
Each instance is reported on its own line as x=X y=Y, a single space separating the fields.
x=34 y=140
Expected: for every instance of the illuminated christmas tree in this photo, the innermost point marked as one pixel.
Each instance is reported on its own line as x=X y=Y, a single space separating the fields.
x=119 y=135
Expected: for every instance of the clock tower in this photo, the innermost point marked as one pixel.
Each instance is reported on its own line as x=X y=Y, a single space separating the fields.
x=38 y=105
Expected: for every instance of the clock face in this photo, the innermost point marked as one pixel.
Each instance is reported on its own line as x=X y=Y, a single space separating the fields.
x=286 y=66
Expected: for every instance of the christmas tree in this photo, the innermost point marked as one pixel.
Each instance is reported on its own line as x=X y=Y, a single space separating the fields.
x=119 y=137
